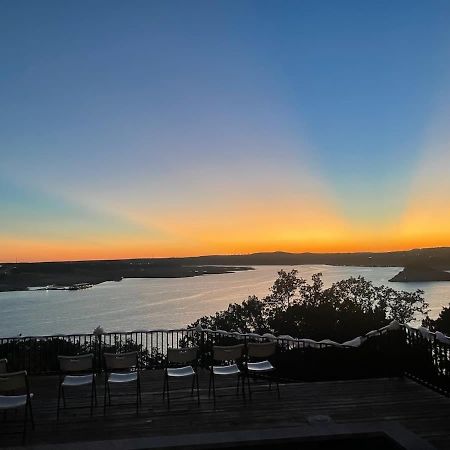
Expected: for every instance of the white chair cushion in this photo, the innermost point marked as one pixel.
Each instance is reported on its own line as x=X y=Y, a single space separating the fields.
x=262 y=366
x=78 y=380
x=180 y=371
x=226 y=370
x=122 y=377
x=13 y=401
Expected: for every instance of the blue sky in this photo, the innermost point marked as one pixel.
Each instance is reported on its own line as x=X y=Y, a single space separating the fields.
x=133 y=116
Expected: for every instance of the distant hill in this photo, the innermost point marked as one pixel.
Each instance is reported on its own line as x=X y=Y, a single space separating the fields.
x=439 y=258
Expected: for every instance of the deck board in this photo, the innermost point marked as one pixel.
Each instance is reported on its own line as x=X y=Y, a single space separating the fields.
x=403 y=401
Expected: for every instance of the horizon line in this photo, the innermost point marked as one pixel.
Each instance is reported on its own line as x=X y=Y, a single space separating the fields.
x=224 y=255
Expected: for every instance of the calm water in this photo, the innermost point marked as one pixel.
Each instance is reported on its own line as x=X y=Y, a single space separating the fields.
x=168 y=303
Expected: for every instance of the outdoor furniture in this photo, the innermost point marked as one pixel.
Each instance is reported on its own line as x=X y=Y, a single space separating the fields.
x=121 y=369
x=15 y=394
x=3 y=365
x=229 y=356
x=261 y=367
x=76 y=372
x=180 y=357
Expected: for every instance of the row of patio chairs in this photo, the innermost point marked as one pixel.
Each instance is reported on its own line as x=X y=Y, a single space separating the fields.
x=240 y=361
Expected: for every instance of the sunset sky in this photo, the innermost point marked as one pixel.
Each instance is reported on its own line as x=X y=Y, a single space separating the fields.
x=163 y=128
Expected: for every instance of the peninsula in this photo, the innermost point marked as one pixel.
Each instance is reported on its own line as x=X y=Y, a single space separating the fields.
x=420 y=273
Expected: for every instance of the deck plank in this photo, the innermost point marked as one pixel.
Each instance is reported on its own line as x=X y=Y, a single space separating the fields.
x=414 y=406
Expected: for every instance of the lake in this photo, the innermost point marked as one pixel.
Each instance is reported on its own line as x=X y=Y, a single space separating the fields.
x=156 y=303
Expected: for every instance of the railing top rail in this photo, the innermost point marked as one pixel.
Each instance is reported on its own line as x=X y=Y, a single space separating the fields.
x=106 y=333
x=356 y=342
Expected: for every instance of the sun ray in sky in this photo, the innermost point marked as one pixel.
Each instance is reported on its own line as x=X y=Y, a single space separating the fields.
x=168 y=129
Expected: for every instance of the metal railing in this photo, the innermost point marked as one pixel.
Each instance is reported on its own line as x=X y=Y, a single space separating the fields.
x=426 y=359
x=392 y=353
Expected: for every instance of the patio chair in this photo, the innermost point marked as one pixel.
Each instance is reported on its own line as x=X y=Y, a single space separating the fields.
x=262 y=366
x=231 y=355
x=76 y=372
x=3 y=365
x=180 y=357
x=15 y=394
x=120 y=369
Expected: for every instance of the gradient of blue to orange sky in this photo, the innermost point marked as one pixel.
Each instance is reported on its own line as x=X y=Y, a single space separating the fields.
x=147 y=128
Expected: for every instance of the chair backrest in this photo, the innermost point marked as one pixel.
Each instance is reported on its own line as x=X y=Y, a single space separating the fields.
x=78 y=363
x=121 y=361
x=13 y=381
x=261 y=350
x=182 y=355
x=228 y=352
x=3 y=365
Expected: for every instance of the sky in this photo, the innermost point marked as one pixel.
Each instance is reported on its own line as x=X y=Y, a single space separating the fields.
x=176 y=128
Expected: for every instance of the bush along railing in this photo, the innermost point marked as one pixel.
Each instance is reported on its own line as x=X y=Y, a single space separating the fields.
x=393 y=350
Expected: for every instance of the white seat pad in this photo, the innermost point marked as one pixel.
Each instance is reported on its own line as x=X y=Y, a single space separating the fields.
x=226 y=370
x=13 y=401
x=122 y=377
x=78 y=380
x=262 y=366
x=180 y=371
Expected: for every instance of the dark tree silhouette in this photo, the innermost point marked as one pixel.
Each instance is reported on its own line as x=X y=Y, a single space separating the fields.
x=295 y=307
x=442 y=323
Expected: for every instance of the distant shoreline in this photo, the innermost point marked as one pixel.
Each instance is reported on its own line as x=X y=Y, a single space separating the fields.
x=76 y=277
x=21 y=276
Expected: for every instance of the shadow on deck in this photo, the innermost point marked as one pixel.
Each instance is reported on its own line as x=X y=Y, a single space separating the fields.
x=394 y=406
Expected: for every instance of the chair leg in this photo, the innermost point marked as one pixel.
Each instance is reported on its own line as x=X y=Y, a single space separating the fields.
x=248 y=387
x=237 y=386
x=198 y=390
x=25 y=419
x=95 y=392
x=192 y=386
x=104 y=397
x=63 y=396
x=31 y=414
x=278 y=389
x=92 y=398
x=164 y=387
x=137 y=397
x=209 y=386
x=168 y=391
x=214 y=389
x=59 y=401
x=139 y=388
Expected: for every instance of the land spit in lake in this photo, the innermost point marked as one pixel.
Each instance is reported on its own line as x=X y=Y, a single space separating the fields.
x=420 y=273
x=82 y=274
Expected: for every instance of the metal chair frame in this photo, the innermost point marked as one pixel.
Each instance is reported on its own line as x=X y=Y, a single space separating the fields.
x=261 y=351
x=78 y=365
x=227 y=354
x=9 y=384
x=177 y=357
x=121 y=363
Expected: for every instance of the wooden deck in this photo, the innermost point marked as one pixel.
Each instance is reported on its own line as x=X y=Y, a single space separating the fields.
x=386 y=401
